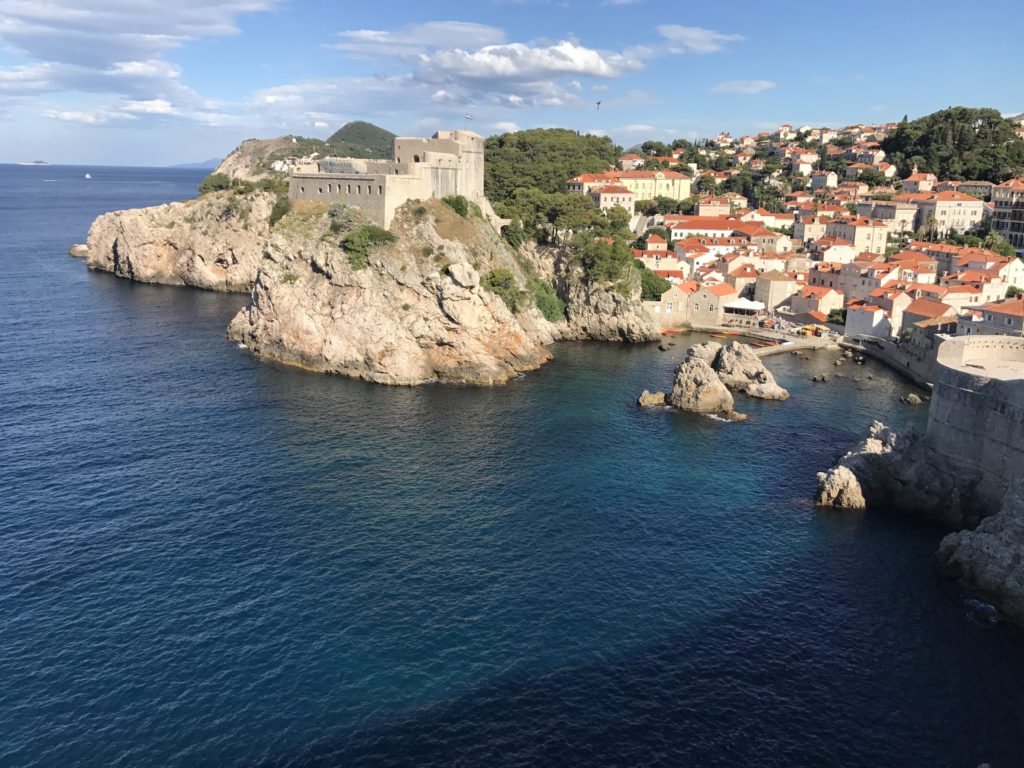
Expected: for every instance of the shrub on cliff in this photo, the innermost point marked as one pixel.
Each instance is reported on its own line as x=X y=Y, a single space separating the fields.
x=547 y=301
x=457 y=203
x=215 y=182
x=281 y=207
x=502 y=282
x=357 y=244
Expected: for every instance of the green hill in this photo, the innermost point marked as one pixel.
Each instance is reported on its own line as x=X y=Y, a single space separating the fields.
x=361 y=139
x=958 y=143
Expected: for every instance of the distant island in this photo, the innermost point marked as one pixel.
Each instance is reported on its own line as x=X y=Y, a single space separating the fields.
x=213 y=162
x=34 y=162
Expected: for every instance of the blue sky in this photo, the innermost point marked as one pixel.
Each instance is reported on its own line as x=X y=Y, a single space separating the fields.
x=168 y=81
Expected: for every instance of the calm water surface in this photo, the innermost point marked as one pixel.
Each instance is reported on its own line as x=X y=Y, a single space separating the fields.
x=209 y=560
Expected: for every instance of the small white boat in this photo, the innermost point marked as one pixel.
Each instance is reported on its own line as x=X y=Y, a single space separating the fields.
x=88 y=175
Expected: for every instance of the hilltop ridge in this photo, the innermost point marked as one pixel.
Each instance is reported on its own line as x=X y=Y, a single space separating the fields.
x=255 y=159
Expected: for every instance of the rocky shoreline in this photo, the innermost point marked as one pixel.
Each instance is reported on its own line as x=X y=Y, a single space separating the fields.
x=416 y=310
x=985 y=551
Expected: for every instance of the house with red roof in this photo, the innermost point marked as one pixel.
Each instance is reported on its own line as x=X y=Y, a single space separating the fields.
x=863 y=319
x=1003 y=318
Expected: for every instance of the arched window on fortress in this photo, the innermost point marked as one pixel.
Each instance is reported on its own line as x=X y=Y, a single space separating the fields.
x=415 y=158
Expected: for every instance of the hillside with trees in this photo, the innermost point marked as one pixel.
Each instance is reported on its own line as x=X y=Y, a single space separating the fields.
x=542 y=159
x=958 y=143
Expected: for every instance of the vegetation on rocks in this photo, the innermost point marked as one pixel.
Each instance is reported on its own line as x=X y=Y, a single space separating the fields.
x=360 y=242
x=542 y=159
x=457 y=203
x=651 y=285
x=958 y=143
x=502 y=282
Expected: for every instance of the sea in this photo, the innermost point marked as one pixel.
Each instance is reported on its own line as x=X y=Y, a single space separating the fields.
x=211 y=560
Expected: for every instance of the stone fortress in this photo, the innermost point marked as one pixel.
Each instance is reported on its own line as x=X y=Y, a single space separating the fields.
x=976 y=416
x=449 y=163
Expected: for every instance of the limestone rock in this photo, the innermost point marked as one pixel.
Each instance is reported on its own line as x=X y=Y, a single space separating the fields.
x=464 y=275
x=904 y=472
x=706 y=351
x=697 y=388
x=398 y=320
x=911 y=399
x=990 y=559
x=78 y=251
x=649 y=399
x=215 y=242
x=840 y=488
x=598 y=312
x=741 y=370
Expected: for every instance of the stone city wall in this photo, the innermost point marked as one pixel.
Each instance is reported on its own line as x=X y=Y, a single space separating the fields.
x=977 y=409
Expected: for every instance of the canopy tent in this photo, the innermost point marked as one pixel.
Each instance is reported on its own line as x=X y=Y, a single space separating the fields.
x=745 y=305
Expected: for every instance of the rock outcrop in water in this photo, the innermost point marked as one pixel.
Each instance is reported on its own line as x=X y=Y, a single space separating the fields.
x=417 y=311
x=739 y=369
x=698 y=389
x=215 y=242
x=742 y=371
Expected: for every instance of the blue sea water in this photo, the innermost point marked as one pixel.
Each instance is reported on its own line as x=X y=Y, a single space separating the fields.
x=210 y=560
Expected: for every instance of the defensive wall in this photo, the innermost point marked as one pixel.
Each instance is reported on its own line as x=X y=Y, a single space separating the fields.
x=976 y=415
x=450 y=163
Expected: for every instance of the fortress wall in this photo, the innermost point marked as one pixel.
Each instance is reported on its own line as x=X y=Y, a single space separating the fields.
x=451 y=163
x=976 y=415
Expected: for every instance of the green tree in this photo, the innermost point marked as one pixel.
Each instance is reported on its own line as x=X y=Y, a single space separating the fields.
x=958 y=143
x=651 y=285
x=543 y=159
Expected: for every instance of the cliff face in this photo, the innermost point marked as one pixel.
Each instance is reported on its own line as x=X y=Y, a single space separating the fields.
x=904 y=472
x=600 y=312
x=416 y=313
x=215 y=242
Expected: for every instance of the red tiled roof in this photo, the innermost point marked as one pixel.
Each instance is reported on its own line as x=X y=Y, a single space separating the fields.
x=1011 y=307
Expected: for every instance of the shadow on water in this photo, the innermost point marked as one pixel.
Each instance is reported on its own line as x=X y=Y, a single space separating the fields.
x=748 y=687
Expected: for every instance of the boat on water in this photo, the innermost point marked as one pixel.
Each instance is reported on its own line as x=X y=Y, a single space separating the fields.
x=88 y=175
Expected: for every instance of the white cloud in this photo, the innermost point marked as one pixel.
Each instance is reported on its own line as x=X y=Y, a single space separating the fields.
x=520 y=62
x=320 y=124
x=91 y=117
x=415 y=39
x=148 y=107
x=695 y=39
x=746 y=87
x=505 y=127
x=99 y=32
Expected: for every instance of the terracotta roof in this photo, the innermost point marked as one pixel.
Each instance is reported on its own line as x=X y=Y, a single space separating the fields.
x=1011 y=307
x=929 y=308
x=722 y=289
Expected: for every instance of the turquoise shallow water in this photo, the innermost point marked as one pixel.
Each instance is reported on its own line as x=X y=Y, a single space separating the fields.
x=209 y=560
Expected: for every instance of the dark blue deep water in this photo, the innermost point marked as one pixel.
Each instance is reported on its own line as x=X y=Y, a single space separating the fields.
x=209 y=560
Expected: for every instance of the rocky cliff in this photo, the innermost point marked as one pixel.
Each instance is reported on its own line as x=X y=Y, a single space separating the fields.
x=990 y=558
x=417 y=311
x=903 y=472
x=597 y=312
x=215 y=242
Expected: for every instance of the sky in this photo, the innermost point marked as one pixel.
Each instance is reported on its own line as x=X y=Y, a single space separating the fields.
x=160 y=82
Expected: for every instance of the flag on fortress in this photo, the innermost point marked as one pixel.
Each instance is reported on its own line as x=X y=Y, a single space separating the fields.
x=469 y=117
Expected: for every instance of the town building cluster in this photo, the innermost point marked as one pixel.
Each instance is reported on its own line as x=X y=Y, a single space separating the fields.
x=851 y=247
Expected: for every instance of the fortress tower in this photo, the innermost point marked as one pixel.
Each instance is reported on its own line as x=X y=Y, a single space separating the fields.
x=449 y=163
